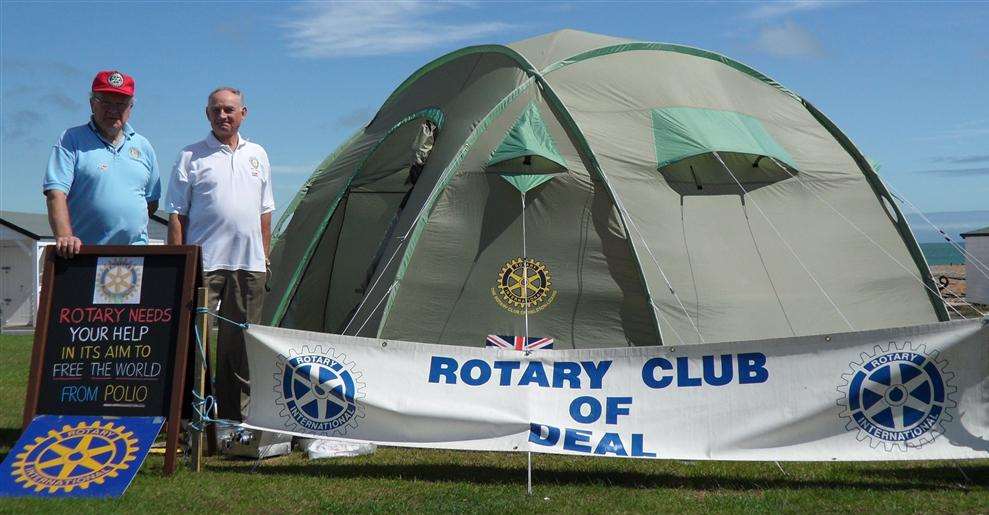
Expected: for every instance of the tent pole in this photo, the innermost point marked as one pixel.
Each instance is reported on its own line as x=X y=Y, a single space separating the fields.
x=529 y=477
x=525 y=297
x=525 y=272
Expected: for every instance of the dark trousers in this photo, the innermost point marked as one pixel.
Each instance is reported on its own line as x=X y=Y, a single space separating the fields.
x=240 y=294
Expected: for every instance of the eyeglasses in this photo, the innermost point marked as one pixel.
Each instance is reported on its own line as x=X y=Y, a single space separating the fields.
x=116 y=106
x=215 y=110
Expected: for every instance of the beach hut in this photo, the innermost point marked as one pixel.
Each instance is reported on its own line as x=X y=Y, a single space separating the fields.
x=976 y=261
x=601 y=192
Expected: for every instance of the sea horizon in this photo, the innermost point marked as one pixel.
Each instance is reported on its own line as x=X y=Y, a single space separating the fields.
x=943 y=253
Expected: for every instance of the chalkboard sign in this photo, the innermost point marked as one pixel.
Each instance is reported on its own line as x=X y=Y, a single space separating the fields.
x=113 y=332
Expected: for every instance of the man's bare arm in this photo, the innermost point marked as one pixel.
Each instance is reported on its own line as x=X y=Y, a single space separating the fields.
x=66 y=244
x=176 y=228
x=266 y=233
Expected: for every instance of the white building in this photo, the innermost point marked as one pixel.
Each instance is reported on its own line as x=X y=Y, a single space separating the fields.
x=976 y=282
x=23 y=237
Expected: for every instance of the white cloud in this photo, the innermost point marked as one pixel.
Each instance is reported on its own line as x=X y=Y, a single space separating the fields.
x=341 y=29
x=788 y=40
x=773 y=10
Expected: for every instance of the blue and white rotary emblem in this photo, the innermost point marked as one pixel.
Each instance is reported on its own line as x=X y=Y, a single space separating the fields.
x=898 y=397
x=319 y=393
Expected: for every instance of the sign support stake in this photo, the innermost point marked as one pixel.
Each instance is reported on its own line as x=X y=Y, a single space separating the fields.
x=528 y=483
x=199 y=375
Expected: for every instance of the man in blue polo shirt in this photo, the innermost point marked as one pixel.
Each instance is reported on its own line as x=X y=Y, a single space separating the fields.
x=102 y=181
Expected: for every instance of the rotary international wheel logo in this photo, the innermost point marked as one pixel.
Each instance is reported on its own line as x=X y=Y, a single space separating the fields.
x=118 y=280
x=116 y=79
x=898 y=397
x=319 y=393
x=524 y=286
x=75 y=457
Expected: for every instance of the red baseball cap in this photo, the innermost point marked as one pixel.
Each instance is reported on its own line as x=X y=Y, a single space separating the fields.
x=112 y=81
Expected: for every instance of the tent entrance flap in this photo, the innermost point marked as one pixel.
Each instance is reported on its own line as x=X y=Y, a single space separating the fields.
x=528 y=156
x=365 y=219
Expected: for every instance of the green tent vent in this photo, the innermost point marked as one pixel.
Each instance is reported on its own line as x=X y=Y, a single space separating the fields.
x=527 y=157
x=682 y=132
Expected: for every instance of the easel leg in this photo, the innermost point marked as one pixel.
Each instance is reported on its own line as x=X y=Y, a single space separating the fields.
x=172 y=444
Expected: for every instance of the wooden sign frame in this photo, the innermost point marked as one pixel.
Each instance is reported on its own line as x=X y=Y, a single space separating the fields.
x=190 y=276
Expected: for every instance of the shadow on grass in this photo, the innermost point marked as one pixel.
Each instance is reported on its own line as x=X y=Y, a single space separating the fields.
x=8 y=436
x=932 y=479
x=978 y=474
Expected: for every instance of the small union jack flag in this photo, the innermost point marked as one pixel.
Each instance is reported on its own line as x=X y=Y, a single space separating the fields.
x=518 y=342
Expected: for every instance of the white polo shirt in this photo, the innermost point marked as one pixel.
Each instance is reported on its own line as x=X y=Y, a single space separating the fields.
x=224 y=192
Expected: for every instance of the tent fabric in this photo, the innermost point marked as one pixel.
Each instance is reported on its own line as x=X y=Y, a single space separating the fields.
x=627 y=251
x=682 y=132
x=542 y=51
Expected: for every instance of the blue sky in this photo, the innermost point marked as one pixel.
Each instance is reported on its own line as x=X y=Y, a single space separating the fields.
x=908 y=82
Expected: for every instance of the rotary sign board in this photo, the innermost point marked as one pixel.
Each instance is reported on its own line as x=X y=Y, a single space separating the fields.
x=112 y=336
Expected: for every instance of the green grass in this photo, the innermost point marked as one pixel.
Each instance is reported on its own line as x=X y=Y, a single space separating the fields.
x=401 y=480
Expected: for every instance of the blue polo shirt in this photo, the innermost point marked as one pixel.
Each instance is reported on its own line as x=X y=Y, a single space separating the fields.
x=108 y=188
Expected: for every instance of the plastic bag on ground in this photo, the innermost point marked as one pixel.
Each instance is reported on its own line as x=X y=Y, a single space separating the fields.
x=330 y=448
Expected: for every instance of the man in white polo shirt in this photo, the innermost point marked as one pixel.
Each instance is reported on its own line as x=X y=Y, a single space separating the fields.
x=220 y=198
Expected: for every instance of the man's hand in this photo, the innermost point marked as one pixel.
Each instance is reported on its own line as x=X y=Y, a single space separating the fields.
x=67 y=246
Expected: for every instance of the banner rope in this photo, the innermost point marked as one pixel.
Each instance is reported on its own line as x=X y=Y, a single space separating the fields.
x=204 y=408
x=876 y=244
x=977 y=263
x=242 y=325
x=786 y=243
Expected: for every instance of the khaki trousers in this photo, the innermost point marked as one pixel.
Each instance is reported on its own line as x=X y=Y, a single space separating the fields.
x=240 y=294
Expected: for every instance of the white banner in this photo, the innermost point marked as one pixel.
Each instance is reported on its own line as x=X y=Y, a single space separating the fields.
x=908 y=393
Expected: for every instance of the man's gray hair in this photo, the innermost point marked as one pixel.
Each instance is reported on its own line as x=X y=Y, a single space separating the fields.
x=233 y=90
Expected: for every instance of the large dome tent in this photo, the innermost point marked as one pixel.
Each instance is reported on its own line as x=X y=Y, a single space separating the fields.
x=602 y=192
